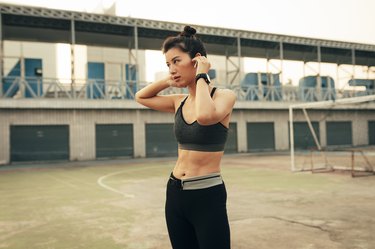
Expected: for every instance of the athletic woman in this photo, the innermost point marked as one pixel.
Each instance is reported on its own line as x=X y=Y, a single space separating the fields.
x=195 y=209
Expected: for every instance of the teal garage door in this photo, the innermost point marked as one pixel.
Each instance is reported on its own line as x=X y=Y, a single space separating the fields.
x=339 y=133
x=114 y=140
x=260 y=136
x=303 y=139
x=231 y=145
x=39 y=142
x=160 y=140
x=371 y=132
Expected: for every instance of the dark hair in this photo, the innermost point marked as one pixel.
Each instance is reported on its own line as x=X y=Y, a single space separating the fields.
x=186 y=41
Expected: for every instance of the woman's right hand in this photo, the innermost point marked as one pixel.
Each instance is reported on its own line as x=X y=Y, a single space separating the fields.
x=172 y=83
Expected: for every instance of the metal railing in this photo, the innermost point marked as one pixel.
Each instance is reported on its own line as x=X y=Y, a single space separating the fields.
x=295 y=94
x=37 y=87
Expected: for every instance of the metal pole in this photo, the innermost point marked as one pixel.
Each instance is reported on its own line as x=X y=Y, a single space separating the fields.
x=311 y=129
x=136 y=53
x=22 y=82
x=72 y=55
x=281 y=62
x=226 y=67
x=1 y=55
x=239 y=57
x=330 y=103
x=291 y=138
x=319 y=80
x=353 y=63
x=353 y=163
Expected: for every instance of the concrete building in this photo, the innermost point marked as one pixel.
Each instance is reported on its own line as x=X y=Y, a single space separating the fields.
x=83 y=107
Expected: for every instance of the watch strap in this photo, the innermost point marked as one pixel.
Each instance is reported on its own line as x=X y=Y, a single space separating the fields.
x=204 y=76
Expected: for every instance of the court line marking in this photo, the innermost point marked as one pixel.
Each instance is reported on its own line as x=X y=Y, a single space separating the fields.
x=102 y=184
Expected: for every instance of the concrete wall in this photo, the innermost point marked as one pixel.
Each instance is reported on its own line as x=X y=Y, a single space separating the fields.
x=14 y=50
x=82 y=116
x=56 y=59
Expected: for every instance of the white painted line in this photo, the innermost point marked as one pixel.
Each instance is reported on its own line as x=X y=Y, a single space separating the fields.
x=101 y=179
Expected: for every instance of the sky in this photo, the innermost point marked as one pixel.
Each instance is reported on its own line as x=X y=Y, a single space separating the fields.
x=343 y=20
x=340 y=20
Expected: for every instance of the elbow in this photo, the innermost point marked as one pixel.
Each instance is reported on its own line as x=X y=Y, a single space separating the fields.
x=137 y=97
x=204 y=120
x=206 y=116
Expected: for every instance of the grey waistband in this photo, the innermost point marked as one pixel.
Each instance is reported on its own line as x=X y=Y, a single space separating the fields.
x=199 y=182
x=202 y=147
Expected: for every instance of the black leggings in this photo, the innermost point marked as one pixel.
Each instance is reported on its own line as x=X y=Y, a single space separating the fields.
x=197 y=219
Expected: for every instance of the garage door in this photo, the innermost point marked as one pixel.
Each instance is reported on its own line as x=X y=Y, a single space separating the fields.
x=303 y=139
x=339 y=133
x=160 y=140
x=231 y=145
x=39 y=142
x=260 y=136
x=114 y=140
x=371 y=132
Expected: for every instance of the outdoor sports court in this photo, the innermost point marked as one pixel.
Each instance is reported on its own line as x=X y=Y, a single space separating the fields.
x=120 y=204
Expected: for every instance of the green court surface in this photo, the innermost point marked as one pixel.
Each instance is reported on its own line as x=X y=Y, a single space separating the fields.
x=120 y=204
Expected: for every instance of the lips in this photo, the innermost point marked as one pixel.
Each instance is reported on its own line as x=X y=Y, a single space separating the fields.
x=176 y=78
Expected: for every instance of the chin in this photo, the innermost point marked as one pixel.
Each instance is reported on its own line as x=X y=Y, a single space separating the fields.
x=182 y=84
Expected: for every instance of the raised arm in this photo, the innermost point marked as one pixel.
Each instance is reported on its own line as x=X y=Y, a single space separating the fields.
x=148 y=96
x=211 y=110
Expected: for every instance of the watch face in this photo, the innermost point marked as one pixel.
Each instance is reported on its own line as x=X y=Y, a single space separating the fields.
x=208 y=80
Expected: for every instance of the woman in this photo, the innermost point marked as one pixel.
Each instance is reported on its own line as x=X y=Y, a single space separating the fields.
x=195 y=208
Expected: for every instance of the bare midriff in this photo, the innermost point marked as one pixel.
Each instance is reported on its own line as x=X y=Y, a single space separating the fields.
x=196 y=163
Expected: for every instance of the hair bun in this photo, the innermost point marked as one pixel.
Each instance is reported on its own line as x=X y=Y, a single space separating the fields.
x=188 y=31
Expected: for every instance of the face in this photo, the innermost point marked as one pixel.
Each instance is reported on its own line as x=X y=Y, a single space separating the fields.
x=181 y=68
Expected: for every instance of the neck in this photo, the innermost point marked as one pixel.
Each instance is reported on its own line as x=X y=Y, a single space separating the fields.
x=193 y=89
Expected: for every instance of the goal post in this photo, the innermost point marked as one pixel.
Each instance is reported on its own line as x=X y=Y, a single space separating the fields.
x=323 y=105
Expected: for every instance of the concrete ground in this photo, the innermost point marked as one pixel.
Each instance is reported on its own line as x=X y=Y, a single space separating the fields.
x=120 y=204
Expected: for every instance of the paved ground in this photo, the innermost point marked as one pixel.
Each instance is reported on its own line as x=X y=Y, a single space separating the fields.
x=120 y=204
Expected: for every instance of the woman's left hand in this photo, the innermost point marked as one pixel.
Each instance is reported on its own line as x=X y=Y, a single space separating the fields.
x=203 y=65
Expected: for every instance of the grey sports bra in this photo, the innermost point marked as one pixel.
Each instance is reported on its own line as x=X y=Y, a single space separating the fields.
x=199 y=137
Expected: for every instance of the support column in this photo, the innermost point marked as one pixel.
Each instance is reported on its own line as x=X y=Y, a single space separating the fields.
x=136 y=55
x=236 y=65
x=281 y=62
x=139 y=135
x=72 y=55
x=239 y=54
x=359 y=130
x=4 y=143
x=319 y=79
x=82 y=137
x=353 y=62
x=281 y=134
x=241 y=133
x=1 y=54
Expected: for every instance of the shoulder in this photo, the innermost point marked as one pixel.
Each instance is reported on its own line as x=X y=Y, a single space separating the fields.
x=177 y=98
x=226 y=94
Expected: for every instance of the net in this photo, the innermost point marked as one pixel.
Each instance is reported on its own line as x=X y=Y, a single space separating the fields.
x=325 y=136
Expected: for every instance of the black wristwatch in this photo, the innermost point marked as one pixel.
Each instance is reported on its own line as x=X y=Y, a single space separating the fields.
x=204 y=76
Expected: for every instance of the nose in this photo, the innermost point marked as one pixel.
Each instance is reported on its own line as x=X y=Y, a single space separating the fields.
x=172 y=69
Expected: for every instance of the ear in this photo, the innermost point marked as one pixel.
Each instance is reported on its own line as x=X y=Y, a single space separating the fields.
x=198 y=54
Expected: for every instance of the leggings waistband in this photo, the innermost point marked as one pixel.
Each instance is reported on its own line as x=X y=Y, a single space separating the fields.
x=197 y=182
